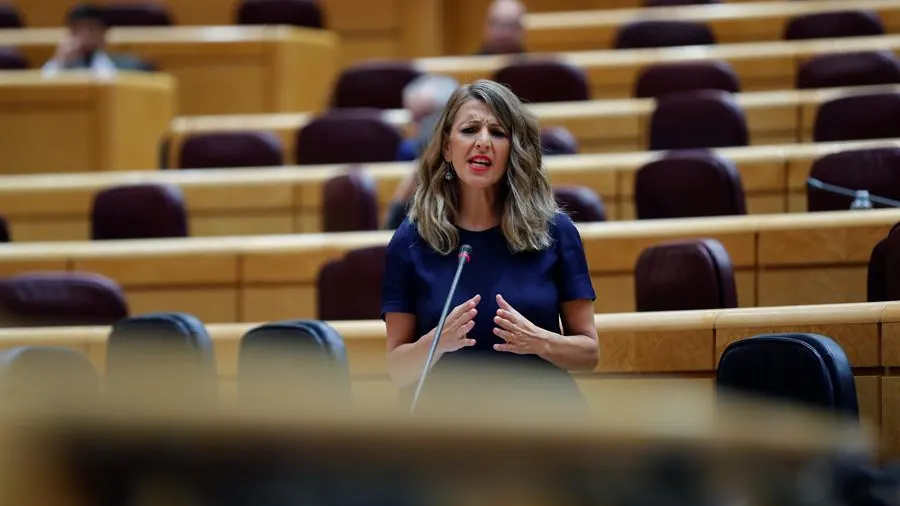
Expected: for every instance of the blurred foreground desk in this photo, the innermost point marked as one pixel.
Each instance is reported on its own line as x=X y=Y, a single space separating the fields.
x=220 y=69
x=80 y=123
x=645 y=450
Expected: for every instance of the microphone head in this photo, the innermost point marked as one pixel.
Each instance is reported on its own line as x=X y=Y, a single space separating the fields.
x=465 y=252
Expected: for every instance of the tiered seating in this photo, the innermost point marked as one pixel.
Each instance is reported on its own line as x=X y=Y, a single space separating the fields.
x=282 y=169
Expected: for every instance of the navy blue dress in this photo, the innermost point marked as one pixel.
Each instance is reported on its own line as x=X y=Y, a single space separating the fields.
x=417 y=279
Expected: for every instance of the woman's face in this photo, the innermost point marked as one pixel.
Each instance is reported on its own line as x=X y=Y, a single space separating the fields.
x=477 y=145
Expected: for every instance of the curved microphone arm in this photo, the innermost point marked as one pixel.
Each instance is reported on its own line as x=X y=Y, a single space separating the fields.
x=840 y=190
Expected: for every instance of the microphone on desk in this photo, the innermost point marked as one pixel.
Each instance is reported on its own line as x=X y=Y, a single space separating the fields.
x=464 y=255
x=862 y=199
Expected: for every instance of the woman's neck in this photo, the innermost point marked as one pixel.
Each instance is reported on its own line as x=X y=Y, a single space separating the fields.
x=478 y=209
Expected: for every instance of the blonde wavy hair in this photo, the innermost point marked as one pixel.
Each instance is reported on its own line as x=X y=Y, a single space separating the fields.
x=526 y=201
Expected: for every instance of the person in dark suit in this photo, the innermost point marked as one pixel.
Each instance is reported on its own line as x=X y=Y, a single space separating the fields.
x=482 y=182
x=84 y=46
x=504 y=28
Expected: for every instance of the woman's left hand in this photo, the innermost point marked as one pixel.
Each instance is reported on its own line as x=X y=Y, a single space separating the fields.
x=522 y=337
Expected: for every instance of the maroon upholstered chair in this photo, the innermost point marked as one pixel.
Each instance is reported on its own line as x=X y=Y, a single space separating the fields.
x=672 y=3
x=557 y=140
x=10 y=17
x=684 y=275
x=231 y=149
x=545 y=81
x=5 y=236
x=349 y=288
x=834 y=24
x=12 y=59
x=875 y=169
x=688 y=184
x=137 y=14
x=347 y=136
x=141 y=211
x=376 y=84
x=663 y=33
x=697 y=119
x=581 y=203
x=883 y=273
x=858 y=117
x=305 y=13
x=350 y=203
x=865 y=68
x=664 y=78
x=51 y=299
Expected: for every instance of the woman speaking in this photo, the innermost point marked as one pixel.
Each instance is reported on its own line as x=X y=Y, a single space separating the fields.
x=525 y=299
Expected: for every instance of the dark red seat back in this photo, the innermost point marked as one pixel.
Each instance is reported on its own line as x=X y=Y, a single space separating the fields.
x=350 y=203
x=684 y=275
x=558 y=141
x=136 y=14
x=858 y=117
x=663 y=33
x=545 y=81
x=688 y=184
x=866 y=68
x=581 y=203
x=834 y=24
x=142 y=211
x=10 y=17
x=304 y=13
x=347 y=136
x=697 y=119
x=377 y=84
x=349 y=288
x=12 y=59
x=664 y=78
x=230 y=149
x=50 y=299
x=876 y=170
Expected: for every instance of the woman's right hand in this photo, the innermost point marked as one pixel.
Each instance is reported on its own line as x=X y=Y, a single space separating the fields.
x=457 y=326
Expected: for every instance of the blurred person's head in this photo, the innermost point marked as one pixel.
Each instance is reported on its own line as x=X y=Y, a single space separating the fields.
x=87 y=26
x=504 y=28
x=425 y=98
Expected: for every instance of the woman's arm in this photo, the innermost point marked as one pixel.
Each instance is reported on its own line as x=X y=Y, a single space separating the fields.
x=577 y=349
x=405 y=356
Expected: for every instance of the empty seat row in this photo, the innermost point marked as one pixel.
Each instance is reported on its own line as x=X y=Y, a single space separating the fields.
x=689 y=120
x=304 y=13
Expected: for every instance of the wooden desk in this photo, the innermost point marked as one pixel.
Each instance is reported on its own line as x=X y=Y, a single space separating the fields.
x=221 y=69
x=83 y=123
x=637 y=349
x=730 y=22
x=613 y=73
x=599 y=126
x=777 y=259
x=259 y=201
x=385 y=29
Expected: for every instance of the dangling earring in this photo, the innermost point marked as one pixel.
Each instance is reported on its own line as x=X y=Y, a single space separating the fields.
x=449 y=174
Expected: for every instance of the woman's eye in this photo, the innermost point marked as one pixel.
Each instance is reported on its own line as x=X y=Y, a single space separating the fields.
x=469 y=130
x=498 y=133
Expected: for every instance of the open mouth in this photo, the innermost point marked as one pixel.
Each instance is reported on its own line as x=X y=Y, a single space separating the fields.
x=480 y=163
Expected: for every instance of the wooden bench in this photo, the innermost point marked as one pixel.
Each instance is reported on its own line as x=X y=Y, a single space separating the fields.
x=256 y=69
x=613 y=73
x=813 y=258
x=730 y=22
x=599 y=126
x=636 y=349
x=257 y=201
x=385 y=29
x=79 y=123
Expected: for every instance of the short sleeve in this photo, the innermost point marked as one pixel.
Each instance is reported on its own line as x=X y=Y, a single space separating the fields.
x=398 y=284
x=573 y=278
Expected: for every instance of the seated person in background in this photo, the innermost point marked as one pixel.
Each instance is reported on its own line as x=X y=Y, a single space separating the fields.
x=83 y=47
x=504 y=28
x=424 y=98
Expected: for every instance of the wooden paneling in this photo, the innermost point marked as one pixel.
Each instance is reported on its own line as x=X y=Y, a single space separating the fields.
x=80 y=123
x=221 y=70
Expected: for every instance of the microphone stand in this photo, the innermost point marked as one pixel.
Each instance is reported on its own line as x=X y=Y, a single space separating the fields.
x=861 y=198
x=463 y=258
